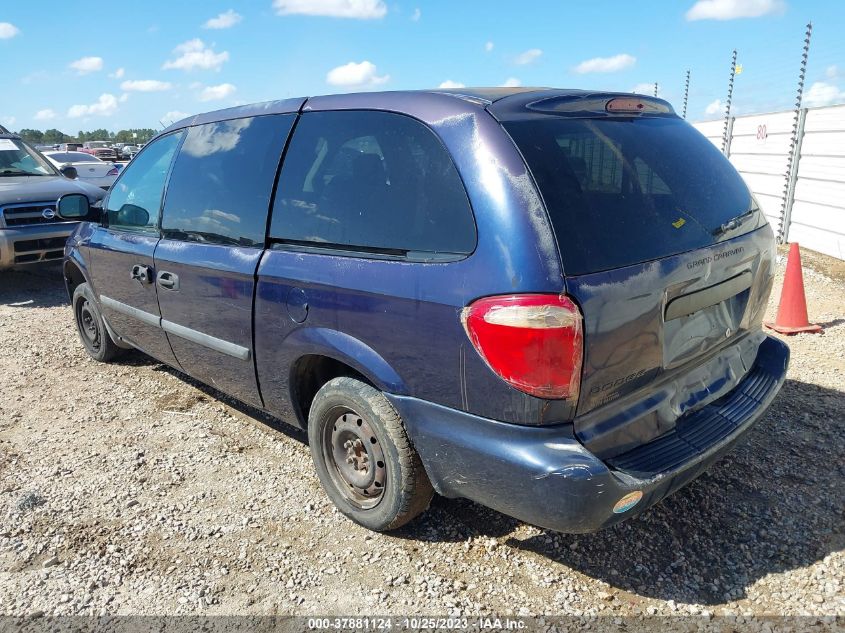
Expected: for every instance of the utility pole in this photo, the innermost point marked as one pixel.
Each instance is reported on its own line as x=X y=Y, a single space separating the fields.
x=795 y=141
x=728 y=104
x=686 y=94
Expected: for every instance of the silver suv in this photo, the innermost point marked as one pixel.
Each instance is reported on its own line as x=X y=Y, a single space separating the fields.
x=30 y=230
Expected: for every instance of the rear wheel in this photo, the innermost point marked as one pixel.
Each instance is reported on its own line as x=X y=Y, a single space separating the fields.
x=89 y=323
x=363 y=456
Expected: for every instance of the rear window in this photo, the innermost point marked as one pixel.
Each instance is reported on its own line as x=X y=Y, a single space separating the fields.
x=621 y=191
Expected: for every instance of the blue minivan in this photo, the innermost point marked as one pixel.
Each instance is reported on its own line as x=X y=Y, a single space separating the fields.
x=546 y=301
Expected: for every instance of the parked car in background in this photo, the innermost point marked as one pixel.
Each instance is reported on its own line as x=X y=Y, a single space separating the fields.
x=546 y=301
x=128 y=151
x=89 y=168
x=69 y=147
x=46 y=148
x=100 y=149
x=30 y=230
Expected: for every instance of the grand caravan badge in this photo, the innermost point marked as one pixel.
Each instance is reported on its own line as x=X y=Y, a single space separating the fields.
x=703 y=261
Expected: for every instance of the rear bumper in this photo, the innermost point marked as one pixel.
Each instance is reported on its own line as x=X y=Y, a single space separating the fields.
x=22 y=245
x=545 y=476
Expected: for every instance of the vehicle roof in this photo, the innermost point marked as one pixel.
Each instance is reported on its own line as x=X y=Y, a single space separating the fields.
x=504 y=102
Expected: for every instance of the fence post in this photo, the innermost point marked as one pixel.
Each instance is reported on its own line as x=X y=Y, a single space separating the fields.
x=729 y=134
x=793 y=177
x=795 y=145
x=728 y=104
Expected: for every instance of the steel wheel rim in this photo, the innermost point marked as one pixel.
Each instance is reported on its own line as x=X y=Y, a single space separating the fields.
x=88 y=326
x=355 y=458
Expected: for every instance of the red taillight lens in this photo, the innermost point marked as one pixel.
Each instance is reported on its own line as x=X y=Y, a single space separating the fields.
x=113 y=172
x=533 y=342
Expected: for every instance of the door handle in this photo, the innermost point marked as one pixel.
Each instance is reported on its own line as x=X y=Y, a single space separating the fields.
x=169 y=281
x=142 y=273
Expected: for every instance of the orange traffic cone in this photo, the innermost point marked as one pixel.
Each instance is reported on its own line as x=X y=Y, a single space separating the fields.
x=792 y=310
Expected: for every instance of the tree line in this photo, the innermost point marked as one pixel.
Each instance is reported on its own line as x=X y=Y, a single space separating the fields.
x=53 y=136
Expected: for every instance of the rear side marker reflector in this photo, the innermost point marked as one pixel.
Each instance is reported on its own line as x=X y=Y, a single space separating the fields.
x=627 y=502
x=532 y=342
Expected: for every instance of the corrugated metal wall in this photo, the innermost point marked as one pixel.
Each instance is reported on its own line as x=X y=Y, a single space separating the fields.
x=759 y=146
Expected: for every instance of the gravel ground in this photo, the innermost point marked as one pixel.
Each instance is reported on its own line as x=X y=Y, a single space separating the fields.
x=130 y=489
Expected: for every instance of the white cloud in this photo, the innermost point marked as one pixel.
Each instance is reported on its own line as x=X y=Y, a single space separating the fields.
x=87 y=65
x=416 y=15
x=511 y=82
x=358 y=9
x=45 y=115
x=733 y=9
x=8 y=30
x=354 y=75
x=216 y=93
x=225 y=20
x=451 y=84
x=821 y=93
x=714 y=107
x=118 y=74
x=527 y=57
x=832 y=72
x=645 y=89
x=145 y=85
x=195 y=54
x=173 y=116
x=106 y=105
x=606 y=64
x=488 y=47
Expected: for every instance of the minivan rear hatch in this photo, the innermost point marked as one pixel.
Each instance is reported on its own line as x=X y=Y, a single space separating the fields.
x=662 y=246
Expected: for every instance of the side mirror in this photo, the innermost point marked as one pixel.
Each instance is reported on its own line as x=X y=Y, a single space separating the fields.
x=69 y=171
x=76 y=207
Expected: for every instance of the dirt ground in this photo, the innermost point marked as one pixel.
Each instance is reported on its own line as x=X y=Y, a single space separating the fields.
x=130 y=489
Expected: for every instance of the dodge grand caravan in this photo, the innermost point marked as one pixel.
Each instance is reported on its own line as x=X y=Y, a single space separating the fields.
x=546 y=301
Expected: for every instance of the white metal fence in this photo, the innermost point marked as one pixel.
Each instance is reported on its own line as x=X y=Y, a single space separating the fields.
x=805 y=200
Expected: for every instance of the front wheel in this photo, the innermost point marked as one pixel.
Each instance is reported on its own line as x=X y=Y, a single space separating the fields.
x=89 y=323
x=363 y=456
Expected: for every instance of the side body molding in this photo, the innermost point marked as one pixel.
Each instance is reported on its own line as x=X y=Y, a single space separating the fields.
x=211 y=342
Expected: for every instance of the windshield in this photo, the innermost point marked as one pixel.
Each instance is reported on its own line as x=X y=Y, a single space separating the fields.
x=18 y=159
x=621 y=191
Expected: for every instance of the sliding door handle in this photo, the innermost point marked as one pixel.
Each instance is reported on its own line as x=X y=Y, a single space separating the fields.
x=168 y=281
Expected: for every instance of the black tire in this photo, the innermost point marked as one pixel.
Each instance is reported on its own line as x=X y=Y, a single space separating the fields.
x=89 y=324
x=385 y=484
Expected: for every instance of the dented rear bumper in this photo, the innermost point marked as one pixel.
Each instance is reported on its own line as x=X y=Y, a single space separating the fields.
x=545 y=476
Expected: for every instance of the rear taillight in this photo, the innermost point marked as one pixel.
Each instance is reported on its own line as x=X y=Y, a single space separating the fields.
x=533 y=342
x=113 y=172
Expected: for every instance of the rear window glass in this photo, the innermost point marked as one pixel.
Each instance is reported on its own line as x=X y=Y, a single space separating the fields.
x=622 y=191
x=74 y=157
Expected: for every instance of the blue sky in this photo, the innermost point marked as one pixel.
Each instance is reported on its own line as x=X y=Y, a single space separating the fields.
x=138 y=64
